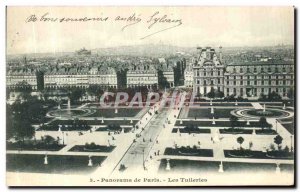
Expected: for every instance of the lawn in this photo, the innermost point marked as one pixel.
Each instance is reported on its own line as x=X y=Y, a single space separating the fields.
x=185 y=151
x=223 y=104
x=126 y=130
x=290 y=127
x=248 y=131
x=57 y=164
x=97 y=148
x=53 y=126
x=251 y=155
x=218 y=123
x=206 y=113
x=110 y=112
x=188 y=166
x=193 y=131
x=33 y=147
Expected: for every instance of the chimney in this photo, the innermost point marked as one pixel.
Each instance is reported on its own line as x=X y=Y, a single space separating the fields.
x=220 y=57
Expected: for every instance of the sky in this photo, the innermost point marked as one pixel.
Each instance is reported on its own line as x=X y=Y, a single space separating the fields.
x=179 y=26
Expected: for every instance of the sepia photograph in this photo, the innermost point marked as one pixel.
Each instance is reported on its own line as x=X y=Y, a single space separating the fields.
x=150 y=96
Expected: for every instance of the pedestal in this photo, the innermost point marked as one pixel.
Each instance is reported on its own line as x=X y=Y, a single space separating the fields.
x=90 y=162
x=180 y=122
x=213 y=121
x=46 y=160
x=277 y=169
x=221 y=170
x=116 y=110
x=254 y=132
x=248 y=123
x=168 y=167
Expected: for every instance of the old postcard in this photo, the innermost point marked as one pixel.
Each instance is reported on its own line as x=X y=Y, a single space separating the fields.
x=150 y=96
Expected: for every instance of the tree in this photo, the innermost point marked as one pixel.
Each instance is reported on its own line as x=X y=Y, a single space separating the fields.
x=94 y=90
x=233 y=120
x=75 y=94
x=23 y=87
x=240 y=141
x=274 y=96
x=211 y=94
x=49 y=140
x=22 y=129
x=219 y=94
x=263 y=123
x=290 y=93
x=262 y=97
x=278 y=140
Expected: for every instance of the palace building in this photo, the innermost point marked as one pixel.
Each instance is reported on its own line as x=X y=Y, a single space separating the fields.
x=245 y=79
x=208 y=71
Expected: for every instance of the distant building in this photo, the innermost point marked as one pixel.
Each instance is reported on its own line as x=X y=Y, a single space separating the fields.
x=13 y=77
x=103 y=76
x=189 y=73
x=142 y=74
x=83 y=52
x=167 y=71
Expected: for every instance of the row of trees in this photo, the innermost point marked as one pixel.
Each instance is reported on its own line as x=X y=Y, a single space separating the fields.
x=277 y=140
x=234 y=121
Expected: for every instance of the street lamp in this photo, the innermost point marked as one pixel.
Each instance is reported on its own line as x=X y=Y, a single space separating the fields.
x=63 y=138
x=276 y=124
x=291 y=143
x=144 y=159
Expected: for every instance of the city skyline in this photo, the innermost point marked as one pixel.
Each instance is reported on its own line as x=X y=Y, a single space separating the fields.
x=223 y=26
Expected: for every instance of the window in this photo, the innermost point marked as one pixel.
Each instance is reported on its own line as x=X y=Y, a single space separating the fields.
x=241 y=70
x=255 y=82
x=212 y=82
x=241 y=82
x=248 y=69
x=283 y=69
x=255 y=70
x=248 y=82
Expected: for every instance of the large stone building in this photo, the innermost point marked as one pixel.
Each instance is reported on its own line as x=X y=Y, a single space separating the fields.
x=208 y=71
x=245 y=79
x=167 y=71
x=80 y=77
x=263 y=77
x=142 y=74
x=16 y=76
